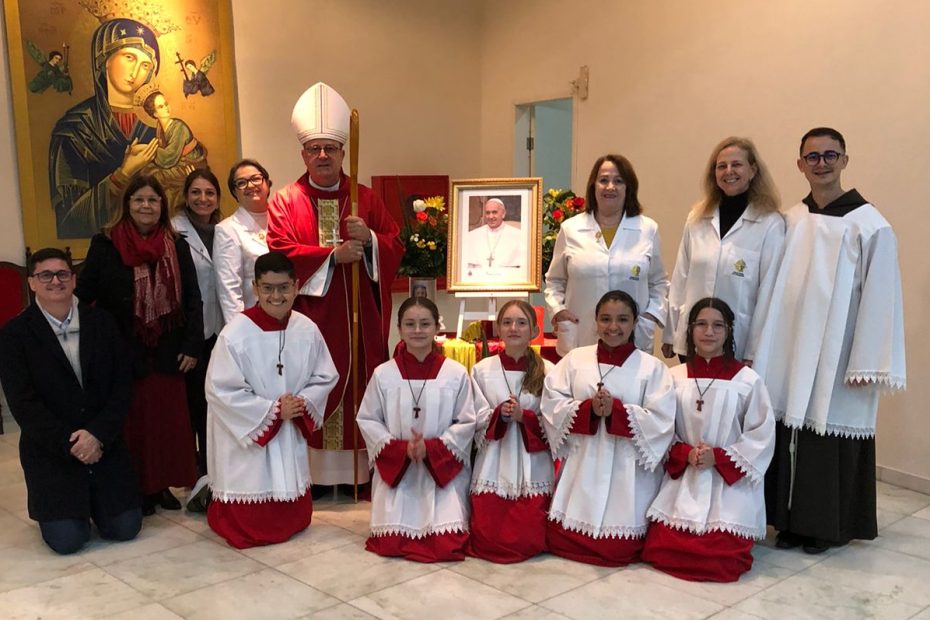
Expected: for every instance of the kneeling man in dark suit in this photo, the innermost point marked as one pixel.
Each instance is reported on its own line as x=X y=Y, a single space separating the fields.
x=68 y=382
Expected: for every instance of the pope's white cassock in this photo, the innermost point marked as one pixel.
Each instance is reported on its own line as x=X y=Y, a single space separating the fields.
x=495 y=253
x=610 y=473
x=513 y=478
x=258 y=462
x=419 y=510
x=706 y=519
x=833 y=341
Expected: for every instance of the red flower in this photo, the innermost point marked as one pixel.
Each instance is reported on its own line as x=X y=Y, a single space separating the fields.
x=422 y=216
x=557 y=215
x=578 y=202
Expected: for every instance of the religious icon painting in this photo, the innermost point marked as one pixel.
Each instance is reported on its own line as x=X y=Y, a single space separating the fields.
x=495 y=241
x=106 y=89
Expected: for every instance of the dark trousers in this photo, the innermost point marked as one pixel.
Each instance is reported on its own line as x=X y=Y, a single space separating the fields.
x=197 y=402
x=66 y=536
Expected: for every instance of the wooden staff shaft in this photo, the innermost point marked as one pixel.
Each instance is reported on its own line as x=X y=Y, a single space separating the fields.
x=353 y=193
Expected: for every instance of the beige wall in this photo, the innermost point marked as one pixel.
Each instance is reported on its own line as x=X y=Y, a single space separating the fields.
x=436 y=82
x=670 y=78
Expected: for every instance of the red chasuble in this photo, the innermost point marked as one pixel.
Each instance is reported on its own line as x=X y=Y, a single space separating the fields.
x=293 y=229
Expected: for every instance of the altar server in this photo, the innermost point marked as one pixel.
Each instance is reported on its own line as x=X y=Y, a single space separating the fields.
x=832 y=342
x=512 y=483
x=418 y=420
x=267 y=384
x=711 y=505
x=609 y=412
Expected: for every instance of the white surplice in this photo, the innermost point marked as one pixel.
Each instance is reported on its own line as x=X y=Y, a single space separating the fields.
x=504 y=467
x=607 y=482
x=237 y=242
x=243 y=387
x=734 y=269
x=417 y=507
x=736 y=415
x=835 y=317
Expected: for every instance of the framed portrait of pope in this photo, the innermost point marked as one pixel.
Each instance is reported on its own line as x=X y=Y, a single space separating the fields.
x=494 y=235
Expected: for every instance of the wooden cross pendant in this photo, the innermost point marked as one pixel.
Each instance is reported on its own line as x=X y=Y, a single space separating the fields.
x=490 y=260
x=280 y=368
x=700 y=404
x=599 y=385
x=416 y=412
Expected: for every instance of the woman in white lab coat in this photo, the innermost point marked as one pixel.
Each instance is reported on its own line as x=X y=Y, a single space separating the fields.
x=612 y=246
x=730 y=249
x=195 y=219
x=240 y=238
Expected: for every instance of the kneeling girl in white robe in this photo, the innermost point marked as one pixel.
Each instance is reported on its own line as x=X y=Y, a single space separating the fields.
x=267 y=384
x=418 y=420
x=609 y=412
x=512 y=483
x=711 y=505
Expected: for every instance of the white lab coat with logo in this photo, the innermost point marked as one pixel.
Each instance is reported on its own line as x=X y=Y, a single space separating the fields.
x=238 y=241
x=735 y=269
x=583 y=268
x=206 y=278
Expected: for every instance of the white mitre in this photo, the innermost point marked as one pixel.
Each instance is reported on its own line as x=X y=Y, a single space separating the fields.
x=321 y=113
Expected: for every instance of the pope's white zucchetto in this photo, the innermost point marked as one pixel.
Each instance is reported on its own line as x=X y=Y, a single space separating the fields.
x=321 y=113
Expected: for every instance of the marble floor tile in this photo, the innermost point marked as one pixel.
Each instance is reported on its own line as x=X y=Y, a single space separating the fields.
x=350 y=572
x=255 y=595
x=887 y=517
x=762 y=575
x=11 y=472
x=630 y=593
x=732 y=614
x=924 y=513
x=348 y=514
x=878 y=571
x=194 y=521
x=896 y=499
x=89 y=594
x=442 y=594
x=342 y=611
x=535 y=612
x=182 y=569
x=909 y=535
x=804 y=597
x=13 y=500
x=535 y=580
x=14 y=530
x=317 y=538
x=791 y=559
x=152 y=611
x=157 y=535
x=924 y=615
x=31 y=562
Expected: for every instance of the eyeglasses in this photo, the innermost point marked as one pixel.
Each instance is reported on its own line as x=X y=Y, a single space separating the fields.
x=314 y=150
x=717 y=326
x=268 y=289
x=47 y=276
x=255 y=179
x=814 y=158
x=139 y=200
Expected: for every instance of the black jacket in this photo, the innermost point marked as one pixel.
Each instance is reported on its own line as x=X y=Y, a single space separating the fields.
x=49 y=404
x=108 y=283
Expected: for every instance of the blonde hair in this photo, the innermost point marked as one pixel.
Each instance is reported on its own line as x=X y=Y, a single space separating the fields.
x=763 y=194
x=535 y=367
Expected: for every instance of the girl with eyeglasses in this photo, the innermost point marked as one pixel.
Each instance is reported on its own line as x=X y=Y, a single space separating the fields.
x=141 y=271
x=240 y=238
x=711 y=506
x=730 y=248
x=609 y=413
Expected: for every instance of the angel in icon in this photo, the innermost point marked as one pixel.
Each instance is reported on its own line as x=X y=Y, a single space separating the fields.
x=195 y=78
x=54 y=71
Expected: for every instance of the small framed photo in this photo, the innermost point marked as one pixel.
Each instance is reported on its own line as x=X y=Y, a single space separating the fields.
x=495 y=240
x=423 y=287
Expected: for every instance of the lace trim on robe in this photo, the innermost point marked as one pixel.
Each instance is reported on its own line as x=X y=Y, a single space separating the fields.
x=883 y=380
x=409 y=532
x=645 y=456
x=559 y=447
x=512 y=491
x=271 y=415
x=699 y=529
x=835 y=430
x=594 y=531
x=233 y=497
x=754 y=475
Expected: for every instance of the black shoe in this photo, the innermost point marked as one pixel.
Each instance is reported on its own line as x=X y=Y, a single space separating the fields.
x=813 y=546
x=148 y=506
x=200 y=496
x=168 y=501
x=789 y=540
x=319 y=491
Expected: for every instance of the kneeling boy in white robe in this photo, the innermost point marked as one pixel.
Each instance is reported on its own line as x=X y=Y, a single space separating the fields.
x=267 y=385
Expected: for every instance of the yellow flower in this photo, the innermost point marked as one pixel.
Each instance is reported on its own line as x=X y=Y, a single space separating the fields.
x=554 y=192
x=435 y=202
x=432 y=245
x=421 y=244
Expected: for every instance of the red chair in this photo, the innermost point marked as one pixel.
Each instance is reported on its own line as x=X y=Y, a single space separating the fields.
x=14 y=296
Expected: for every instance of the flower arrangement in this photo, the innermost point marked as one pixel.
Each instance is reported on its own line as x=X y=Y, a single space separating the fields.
x=424 y=237
x=560 y=205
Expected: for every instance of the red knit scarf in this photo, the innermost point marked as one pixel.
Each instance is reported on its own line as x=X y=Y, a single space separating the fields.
x=156 y=296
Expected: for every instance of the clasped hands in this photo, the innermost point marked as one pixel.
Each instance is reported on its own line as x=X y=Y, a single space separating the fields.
x=416 y=447
x=702 y=456
x=602 y=403
x=85 y=447
x=353 y=249
x=291 y=406
x=511 y=409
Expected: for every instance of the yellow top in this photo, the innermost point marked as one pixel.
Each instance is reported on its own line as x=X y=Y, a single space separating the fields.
x=608 y=232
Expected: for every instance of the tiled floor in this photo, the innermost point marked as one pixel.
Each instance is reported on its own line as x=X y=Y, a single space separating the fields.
x=178 y=568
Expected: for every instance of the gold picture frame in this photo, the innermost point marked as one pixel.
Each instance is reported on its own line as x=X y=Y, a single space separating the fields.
x=106 y=88
x=495 y=235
